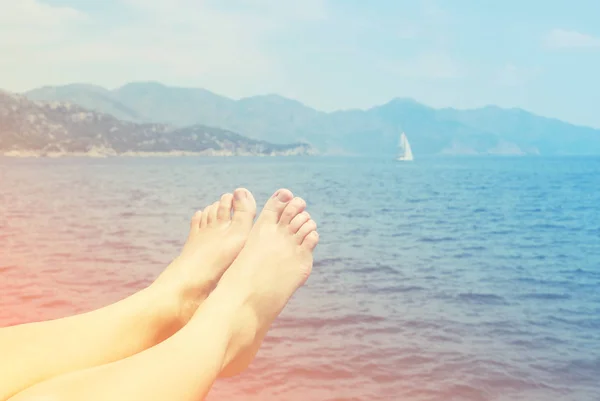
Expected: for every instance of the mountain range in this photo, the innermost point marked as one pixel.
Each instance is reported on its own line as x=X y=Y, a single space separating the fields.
x=370 y=132
x=29 y=128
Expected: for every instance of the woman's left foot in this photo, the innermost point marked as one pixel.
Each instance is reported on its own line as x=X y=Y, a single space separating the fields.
x=217 y=235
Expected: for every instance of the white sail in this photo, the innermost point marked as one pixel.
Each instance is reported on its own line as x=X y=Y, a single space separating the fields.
x=405 y=153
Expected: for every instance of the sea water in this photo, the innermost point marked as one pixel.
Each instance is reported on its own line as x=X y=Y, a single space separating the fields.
x=440 y=279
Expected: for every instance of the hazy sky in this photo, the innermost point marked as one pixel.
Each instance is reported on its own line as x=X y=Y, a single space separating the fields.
x=543 y=56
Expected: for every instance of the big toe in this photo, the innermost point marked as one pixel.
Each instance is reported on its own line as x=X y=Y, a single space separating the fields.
x=275 y=206
x=244 y=208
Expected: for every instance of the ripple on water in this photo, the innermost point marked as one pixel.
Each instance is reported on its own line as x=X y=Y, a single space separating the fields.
x=482 y=299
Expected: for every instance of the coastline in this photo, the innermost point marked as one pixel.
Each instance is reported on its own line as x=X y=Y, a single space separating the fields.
x=106 y=154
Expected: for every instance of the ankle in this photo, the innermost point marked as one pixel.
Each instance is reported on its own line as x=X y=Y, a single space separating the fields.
x=182 y=293
x=232 y=301
x=158 y=310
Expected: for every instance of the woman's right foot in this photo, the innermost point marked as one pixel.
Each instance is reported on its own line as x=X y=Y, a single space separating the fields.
x=275 y=261
x=217 y=235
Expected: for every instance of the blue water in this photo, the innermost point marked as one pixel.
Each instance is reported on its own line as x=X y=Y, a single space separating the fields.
x=442 y=279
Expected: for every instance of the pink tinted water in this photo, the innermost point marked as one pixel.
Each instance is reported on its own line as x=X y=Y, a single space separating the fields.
x=441 y=280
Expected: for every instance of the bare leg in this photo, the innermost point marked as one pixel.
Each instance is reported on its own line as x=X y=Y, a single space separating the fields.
x=276 y=261
x=36 y=352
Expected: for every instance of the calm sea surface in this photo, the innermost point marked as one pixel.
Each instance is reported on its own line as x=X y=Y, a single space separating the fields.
x=442 y=279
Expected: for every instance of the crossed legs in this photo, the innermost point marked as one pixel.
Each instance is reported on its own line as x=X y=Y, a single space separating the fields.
x=137 y=348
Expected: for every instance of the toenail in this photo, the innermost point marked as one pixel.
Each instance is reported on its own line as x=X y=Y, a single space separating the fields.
x=282 y=196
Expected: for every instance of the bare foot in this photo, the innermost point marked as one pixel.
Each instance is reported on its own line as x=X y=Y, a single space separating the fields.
x=276 y=260
x=217 y=235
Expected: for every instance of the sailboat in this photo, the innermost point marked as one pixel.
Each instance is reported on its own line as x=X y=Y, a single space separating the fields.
x=405 y=152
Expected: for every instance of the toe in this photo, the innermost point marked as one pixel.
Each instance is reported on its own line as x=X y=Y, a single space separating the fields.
x=306 y=229
x=244 y=208
x=205 y=214
x=311 y=240
x=224 y=208
x=293 y=209
x=196 y=221
x=298 y=222
x=274 y=207
x=212 y=213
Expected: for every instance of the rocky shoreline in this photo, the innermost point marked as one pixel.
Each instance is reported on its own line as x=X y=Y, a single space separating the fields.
x=94 y=154
x=55 y=129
